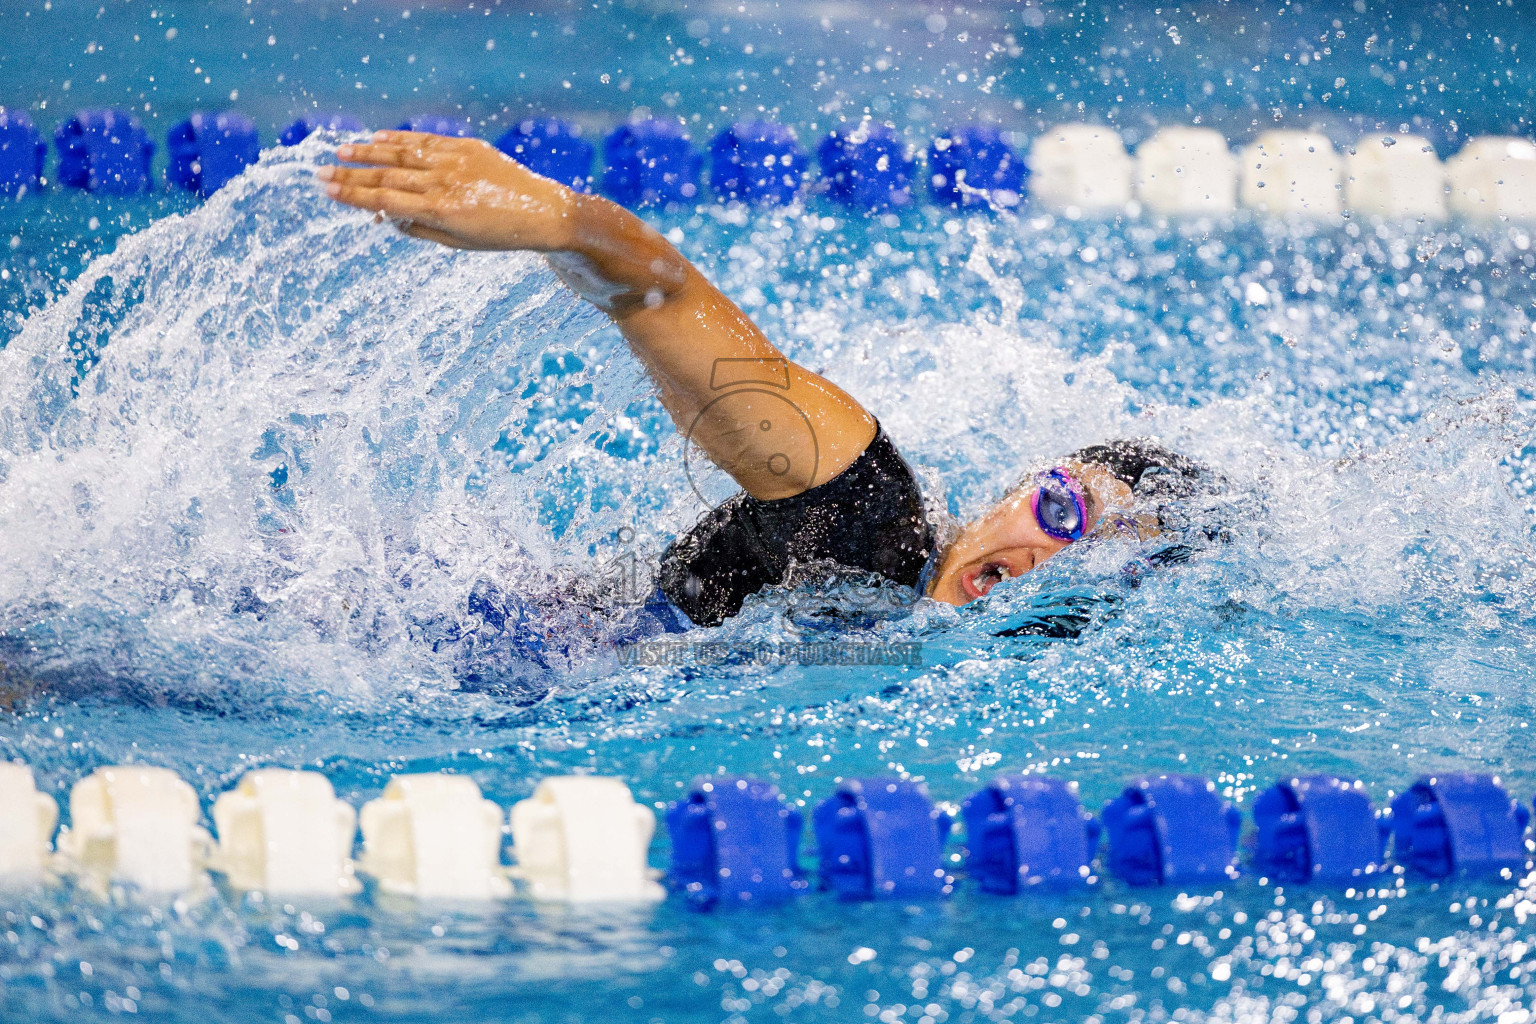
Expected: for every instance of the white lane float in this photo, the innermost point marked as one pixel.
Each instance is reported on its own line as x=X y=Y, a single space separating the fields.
x=1186 y=172
x=1494 y=178
x=1080 y=169
x=1395 y=176
x=27 y=820
x=1292 y=172
x=285 y=832
x=584 y=839
x=136 y=825
x=434 y=837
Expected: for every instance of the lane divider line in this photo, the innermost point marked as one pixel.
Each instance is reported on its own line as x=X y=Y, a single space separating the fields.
x=1075 y=169
x=737 y=841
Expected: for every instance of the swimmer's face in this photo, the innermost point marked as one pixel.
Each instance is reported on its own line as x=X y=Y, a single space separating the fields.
x=1007 y=541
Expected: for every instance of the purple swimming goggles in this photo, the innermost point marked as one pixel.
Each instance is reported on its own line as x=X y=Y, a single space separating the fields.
x=1059 y=505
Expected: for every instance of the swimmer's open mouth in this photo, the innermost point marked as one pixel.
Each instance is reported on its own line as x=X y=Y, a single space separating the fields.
x=977 y=582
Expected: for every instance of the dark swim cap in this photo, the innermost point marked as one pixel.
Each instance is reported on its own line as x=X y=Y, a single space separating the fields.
x=1187 y=497
x=1149 y=469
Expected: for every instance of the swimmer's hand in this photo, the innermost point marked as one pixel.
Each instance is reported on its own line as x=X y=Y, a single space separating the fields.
x=466 y=194
x=460 y=192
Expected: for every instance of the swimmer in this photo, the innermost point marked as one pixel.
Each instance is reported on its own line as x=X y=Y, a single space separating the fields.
x=820 y=481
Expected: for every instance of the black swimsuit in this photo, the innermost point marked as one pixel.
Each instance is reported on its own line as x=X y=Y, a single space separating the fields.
x=870 y=517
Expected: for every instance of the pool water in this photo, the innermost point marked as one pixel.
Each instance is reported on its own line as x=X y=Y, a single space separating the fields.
x=259 y=452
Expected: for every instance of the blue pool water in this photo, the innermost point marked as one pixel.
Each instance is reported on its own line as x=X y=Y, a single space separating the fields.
x=258 y=452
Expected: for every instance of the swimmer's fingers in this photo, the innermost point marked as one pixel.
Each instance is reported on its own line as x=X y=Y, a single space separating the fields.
x=417 y=156
x=424 y=141
x=379 y=177
x=388 y=201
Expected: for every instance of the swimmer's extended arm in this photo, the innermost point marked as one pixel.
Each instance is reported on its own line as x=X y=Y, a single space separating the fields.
x=464 y=193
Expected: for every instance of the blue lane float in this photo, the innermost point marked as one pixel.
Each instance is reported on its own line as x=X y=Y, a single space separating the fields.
x=104 y=151
x=304 y=127
x=735 y=841
x=867 y=168
x=437 y=124
x=1318 y=828
x=1461 y=824
x=207 y=150
x=756 y=162
x=882 y=838
x=1028 y=830
x=974 y=167
x=553 y=148
x=22 y=152
x=1172 y=829
x=651 y=163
